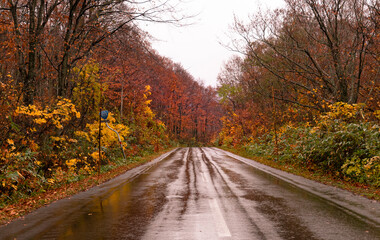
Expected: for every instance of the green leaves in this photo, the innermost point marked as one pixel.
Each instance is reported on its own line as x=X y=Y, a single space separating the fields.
x=347 y=150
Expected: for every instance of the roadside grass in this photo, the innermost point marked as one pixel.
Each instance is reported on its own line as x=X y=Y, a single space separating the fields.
x=23 y=206
x=364 y=190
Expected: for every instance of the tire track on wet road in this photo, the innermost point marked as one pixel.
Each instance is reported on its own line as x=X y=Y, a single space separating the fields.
x=199 y=193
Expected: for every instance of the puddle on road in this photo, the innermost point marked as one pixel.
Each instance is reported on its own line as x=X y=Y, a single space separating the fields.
x=123 y=213
x=120 y=215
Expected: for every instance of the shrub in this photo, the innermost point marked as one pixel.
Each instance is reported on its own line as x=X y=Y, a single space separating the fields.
x=330 y=149
x=365 y=170
x=341 y=143
x=37 y=144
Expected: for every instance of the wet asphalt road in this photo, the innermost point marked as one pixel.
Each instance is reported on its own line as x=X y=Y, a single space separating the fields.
x=203 y=193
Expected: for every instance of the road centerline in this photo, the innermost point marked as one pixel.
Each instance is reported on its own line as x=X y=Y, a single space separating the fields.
x=220 y=224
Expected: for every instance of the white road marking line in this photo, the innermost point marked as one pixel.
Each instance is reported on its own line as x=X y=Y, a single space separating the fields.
x=204 y=178
x=174 y=196
x=220 y=223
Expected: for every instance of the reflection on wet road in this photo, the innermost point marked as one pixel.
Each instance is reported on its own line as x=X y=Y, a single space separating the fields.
x=193 y=193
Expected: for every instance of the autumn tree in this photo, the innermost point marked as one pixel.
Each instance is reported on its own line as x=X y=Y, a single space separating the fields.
x=297 y=61
x=60 y=33
x=129 y=64
x=318 y=51
x=247 y=110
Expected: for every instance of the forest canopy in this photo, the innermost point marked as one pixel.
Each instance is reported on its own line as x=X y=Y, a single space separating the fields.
x=61 y=63
x=304 y=88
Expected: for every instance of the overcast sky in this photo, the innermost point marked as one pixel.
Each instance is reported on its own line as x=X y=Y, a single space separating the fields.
x=196 y=47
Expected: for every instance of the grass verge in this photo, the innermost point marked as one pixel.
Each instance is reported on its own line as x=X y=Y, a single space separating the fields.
x=364 y=190
x=24 y=206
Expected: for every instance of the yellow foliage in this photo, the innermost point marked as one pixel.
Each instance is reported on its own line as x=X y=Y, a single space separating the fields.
x=57 y=139
x=161 y=125
x=377 y=114
x=10 y=142
x=73 y=140
x=232 y=130
x=147 y=110
x=109 y=138
x=373 y=162
x=340 y=111
x=88 y=89
x=35 y=125
x=71 y=163
x=345 y=111
x=40 y=121
x=88 y=169
x=62 y=113
x=363 y=170
x=82 y=134
x=95 y=155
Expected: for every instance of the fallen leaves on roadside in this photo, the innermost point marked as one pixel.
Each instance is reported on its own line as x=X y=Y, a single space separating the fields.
x=25 y=206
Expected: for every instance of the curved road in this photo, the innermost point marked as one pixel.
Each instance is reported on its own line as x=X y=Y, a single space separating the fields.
x=203 y=193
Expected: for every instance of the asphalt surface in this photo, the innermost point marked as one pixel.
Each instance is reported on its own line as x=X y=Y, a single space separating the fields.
x=203 y=193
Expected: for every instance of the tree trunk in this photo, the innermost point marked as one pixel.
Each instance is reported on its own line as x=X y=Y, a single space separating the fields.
x=29 y=80
x=62 y=77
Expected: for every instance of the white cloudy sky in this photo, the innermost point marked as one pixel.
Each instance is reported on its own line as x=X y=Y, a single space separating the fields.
x=196 y=47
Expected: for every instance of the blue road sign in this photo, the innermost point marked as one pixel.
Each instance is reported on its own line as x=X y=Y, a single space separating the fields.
x=104 y=114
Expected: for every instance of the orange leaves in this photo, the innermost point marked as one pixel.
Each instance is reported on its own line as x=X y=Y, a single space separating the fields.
x=145 y=88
